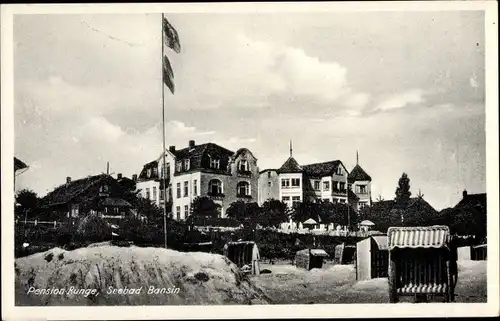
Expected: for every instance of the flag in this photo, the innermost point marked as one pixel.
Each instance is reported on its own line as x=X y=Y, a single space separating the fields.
x=171 y=38
x=19 y=164
x=168 y=74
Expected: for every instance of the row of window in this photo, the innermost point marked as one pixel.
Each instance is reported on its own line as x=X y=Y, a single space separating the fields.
x=185 y=165
x=336 y=186
x=214 y=188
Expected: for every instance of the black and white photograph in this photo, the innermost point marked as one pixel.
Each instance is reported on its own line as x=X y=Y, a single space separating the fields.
x=272 y=155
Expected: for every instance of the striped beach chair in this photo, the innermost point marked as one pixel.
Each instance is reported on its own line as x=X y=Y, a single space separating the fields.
x=422 y=262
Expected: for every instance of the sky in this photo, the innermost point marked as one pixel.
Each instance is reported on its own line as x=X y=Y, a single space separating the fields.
x=404 y=89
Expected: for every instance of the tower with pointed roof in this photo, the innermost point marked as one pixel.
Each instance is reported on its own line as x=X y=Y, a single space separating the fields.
x=361 y=184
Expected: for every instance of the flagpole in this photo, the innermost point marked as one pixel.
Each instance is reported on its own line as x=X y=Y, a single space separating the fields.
x=163 y=127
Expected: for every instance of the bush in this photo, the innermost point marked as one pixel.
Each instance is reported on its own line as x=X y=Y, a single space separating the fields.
x=93 y=228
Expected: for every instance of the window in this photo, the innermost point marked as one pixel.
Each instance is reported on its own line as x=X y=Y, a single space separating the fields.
x=268 y=174
x=285 y=182
x=148 y=196
x=361 y=189
x=155 y=171
x=335 y=186
x=328 y=200
x=187 y=164
x=342 y=186
x=295 y=182
x=168 y=169
x=326 y=186
x=339 y=170
x=149 y=172
x=243 y=166
x=162 y=194
x=214 y=163
x=154 y=193
x=295 y=200
x=243 y=189
x=178 y=212
x=269 y=184
x=195 y=187
x=316 y=185
x=362 y=204
x=285 y=199
x=178 y=167
x=186 y=211
x=215 y=187
x=178 y=190
x=342 y=200
x=335 y=200
x=186 y=184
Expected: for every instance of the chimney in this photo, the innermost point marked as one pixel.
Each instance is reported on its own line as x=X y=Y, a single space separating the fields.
x=134 y=177
x=172 y=149
x=68 y=179
x=191 y=144
x=464 y=193
x=119 y=176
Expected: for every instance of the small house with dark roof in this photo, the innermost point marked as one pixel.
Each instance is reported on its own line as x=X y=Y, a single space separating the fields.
x=476 y=202
x=76 y=198
x=206 y=169
x=325 y=181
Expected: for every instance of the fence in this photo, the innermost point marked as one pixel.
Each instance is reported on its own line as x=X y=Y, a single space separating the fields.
x=37 y=222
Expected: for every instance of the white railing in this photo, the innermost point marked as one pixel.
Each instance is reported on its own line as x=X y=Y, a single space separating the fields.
x=36 y=222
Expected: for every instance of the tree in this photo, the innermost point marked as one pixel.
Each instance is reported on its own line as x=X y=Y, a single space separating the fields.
x=150 y=210
x=205 y=207
x=246 y=213
x=403 y=191
x=28 y=201
x=273 y=213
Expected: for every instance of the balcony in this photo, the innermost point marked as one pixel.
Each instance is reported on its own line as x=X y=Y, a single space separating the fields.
x=215 y=195
x=244 y=173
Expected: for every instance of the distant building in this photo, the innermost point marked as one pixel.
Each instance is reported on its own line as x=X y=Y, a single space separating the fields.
x=200 y=170
x=473 y=202
x=327 y=181
x=76 y=198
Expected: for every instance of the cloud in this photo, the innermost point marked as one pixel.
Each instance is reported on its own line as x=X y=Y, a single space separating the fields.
x=409 y=97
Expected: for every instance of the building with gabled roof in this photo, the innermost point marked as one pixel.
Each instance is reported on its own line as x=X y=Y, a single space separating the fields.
x=200 y=170
x=76 y=198
x=324 y=181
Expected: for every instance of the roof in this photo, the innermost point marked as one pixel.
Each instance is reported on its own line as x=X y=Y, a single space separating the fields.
x=382 y=242
x=472 y=200
x=310 y=221
x=321 y=169
x=118 y=202
x=66 y=192
x=290 y=166
x=390 y=204
x=19 y=164
x=436 y=236
x=198 y=156
x=318 y=252
x=358 y=174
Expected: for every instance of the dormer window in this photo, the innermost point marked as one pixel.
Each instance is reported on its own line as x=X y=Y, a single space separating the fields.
x=149 y=172
x=155 y=172
x=178 y=166
x=243 y=166
x=187 y=164
x=214 y=163
x=339 y=170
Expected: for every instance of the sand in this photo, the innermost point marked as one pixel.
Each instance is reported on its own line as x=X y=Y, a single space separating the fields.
x=184 y=278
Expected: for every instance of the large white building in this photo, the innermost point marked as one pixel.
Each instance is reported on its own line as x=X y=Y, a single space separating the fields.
x=201 y=170
x=326 y=181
